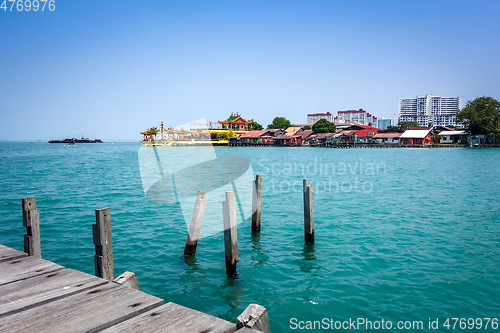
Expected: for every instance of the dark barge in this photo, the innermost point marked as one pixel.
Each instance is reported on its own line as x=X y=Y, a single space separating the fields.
x=75 y=140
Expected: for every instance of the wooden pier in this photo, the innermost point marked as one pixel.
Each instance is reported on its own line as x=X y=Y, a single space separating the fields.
x=39 y=296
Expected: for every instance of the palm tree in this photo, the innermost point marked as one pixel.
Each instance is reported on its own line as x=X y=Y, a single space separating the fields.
x=493 y=127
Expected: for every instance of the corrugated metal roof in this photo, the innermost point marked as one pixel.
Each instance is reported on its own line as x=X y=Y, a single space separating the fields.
x=387 y=135
x=287 y=137
x=415 y=134
x=336 y=135
x=305 y=133
x=291 y=131
x=256 y=133
x=367 y=132
x=453 y=133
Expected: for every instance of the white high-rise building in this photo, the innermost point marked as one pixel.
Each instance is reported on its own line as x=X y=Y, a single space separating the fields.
x=430 y=110
x=359 y=116
x=312 y=118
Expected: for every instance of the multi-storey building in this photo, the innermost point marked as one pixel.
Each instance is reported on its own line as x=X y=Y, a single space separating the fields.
x=384 y=123
x=359 y=116
x=314 y=117
x=430 y=110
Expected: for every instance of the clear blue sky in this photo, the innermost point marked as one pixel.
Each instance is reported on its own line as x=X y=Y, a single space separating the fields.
x=110 y=69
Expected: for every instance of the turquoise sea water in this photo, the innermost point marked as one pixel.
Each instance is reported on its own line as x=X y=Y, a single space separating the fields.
x=401 y=234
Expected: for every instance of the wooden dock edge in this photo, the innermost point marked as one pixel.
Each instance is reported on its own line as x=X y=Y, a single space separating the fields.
x=34 y=300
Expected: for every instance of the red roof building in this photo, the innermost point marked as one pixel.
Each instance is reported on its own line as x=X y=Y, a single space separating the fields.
x=235 y=122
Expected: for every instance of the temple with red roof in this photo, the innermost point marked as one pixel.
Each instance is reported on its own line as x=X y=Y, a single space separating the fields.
x=235 y=122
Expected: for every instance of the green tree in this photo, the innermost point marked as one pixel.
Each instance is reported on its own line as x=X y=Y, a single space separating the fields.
x=324 y=126
x=436 y=139
x=255 y=126
x=493 y=127
x=306 y=127
x=225 y=135
x=279 y=123
x=481 y=116
x=406 y=125
x=392 y=128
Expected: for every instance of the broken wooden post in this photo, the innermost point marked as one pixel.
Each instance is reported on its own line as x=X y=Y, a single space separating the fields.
x=308 y=213
x=195 y=226
x=230 y=233
x=31 y=220
x=101 y=230
x=128 y=279
x=254 y=317
x=256 y=204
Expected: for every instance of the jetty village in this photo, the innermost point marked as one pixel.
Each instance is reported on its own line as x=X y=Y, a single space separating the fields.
x=236 y=131
x=425 y=121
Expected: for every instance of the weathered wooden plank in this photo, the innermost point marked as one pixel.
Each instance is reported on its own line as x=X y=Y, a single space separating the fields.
x=254 y=317
x=128 y=279
x=101 y=230
x=41 y=289
x=89 y=311
x=27 y=205
x=195 y=226
x=256 y=204
x=31 y=220
x=308 y=213
x=26 y=267
x=247 y=330
x=230 y=233
x=172 y=317
x=32 y=244
x=6 y=253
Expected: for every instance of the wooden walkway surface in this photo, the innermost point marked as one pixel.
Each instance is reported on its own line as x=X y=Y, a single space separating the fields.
x=38 y=296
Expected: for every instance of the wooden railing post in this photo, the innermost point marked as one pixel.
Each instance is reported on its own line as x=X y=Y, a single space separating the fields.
x=31 y=220
x=195 y=226
x=308 y=213
x=230 y=233
x=101 y=230
x=256 y=204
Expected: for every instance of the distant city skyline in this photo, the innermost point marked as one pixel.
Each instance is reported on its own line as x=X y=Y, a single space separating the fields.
x=112 y=69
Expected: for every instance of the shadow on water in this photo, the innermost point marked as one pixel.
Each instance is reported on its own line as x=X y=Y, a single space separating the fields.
x=192 y=264
x=258 y=257
x=232 y=291
x=309 y=263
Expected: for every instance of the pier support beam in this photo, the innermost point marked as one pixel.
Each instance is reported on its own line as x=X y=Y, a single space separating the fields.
x=195 y=226
x=31 y=220
x=255 y=317
x=308 y=212
x=101 y=231
x=256 y=204
x=230 y=233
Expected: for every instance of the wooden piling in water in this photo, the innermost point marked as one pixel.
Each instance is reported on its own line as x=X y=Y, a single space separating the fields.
x=230 y=233
x=308 y=212
x=195 y=226
x=31 y=220
x=256 y=204
x=101 y=231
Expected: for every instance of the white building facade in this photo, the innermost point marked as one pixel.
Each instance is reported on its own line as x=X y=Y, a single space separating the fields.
x=312 y=118
x=430 y=110
x=359 y=116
